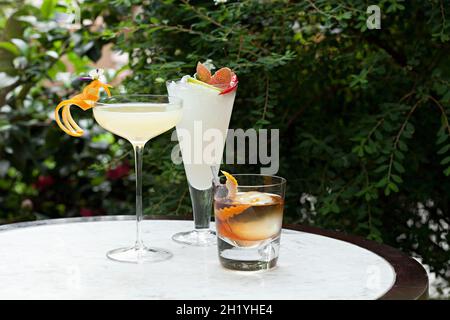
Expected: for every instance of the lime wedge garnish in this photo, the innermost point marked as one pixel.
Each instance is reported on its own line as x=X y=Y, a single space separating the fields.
x=195 y=81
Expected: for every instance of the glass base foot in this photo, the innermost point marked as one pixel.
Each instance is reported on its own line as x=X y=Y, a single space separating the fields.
x=197 y=238
x=249 y=255
x=248 y=265
x=139 y=254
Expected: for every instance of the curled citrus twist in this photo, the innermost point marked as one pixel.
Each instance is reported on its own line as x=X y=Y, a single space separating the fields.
x=235 y=209
x=231 y=184
x=231 y=211
x=85 y=101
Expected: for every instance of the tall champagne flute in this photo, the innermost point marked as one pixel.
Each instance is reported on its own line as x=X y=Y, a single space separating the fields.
x=206 y=116
x=138 y=118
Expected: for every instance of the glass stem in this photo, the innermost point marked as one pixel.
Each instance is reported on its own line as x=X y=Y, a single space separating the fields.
x=138 y=155
x=201 y=207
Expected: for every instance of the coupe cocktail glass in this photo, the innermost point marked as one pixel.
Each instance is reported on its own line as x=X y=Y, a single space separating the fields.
x=206 y=116
x=138 y=118
x=248 y=221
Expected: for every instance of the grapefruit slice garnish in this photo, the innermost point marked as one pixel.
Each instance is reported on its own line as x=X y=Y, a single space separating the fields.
x=85 y=101
x=221 y=77
x=203 y=73
x=223 y=80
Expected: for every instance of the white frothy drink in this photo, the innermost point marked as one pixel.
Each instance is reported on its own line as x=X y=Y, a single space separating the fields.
x=201 y=105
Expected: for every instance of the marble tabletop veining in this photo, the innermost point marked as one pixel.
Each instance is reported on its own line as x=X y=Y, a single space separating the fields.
x=67 y=261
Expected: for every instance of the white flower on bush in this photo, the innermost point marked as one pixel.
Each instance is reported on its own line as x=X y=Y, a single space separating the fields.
x=20 y=63
x=216 y=2
x=97 y=74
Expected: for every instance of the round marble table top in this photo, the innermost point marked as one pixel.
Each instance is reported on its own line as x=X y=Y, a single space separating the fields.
x=67 y=261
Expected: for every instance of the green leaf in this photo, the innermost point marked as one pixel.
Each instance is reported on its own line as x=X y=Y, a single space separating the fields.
x=381 y=168
x=445 y=160
x=13 y=28
x=21 y=45
x=59 y=66
x=442 y=138
x=443 y=128
x=444 y=149
x=387 y=126
x=396 y=178
x=393 y=187
x=446 y=96
x=447 y=171
x=8 y=46
x=359 y=150
x=6 y=80
x=378 y=135
x=370 y=148
x=80 y=63
x=52 y=54
x=154 y=20
x=347 y=15
x=399 y=155
x=402 y=146
x=335 y=208
x=398 y=166
x=409 y=128
x=381 y=183
x=381 y=160
x=48 y=8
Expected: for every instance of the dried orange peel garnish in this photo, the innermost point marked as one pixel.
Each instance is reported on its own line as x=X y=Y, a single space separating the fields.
x=231 y=184
x=85 y=100
x=229 y=212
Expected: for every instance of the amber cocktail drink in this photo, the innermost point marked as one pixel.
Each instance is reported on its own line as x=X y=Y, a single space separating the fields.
x=248 y=221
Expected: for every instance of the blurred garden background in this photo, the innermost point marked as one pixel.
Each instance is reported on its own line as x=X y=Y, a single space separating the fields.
x=363 y=114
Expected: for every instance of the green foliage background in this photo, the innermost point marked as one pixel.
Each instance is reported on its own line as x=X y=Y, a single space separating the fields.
x=363 y=114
